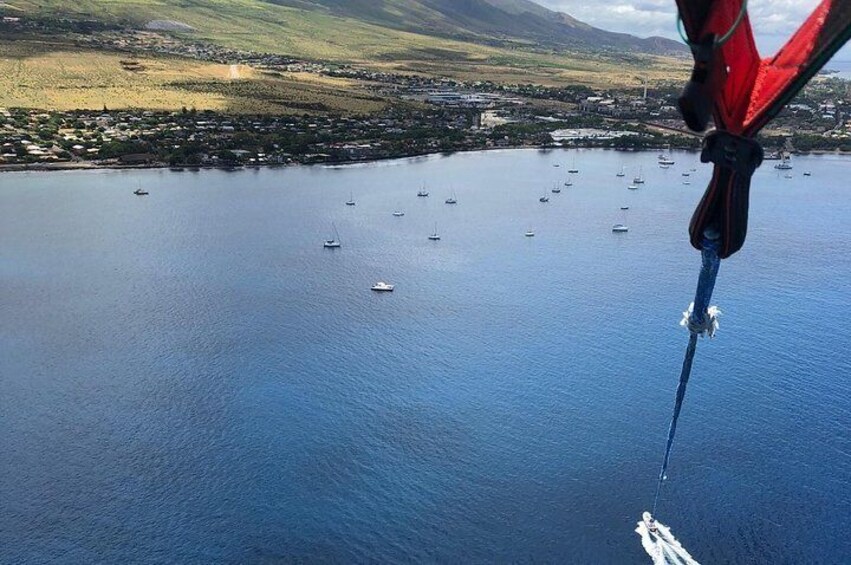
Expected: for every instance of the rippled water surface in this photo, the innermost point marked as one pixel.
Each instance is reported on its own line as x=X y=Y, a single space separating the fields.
x=191 y=377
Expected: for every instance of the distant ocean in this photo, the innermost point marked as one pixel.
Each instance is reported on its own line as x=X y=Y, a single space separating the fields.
x=844 y=68
x=190 y=377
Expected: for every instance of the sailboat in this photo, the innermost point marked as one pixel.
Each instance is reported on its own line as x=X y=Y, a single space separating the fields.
x=529 y=233
x=452 y=199
x=622 y=227
x=785 y=164
x=622 y=172
x=665 y=158
x=568 y=182
x=434 y=236
x=422 y=192
x=334 y=242
x=351 y=200
x=573 y=169
x=556 y=189
x=639 y=179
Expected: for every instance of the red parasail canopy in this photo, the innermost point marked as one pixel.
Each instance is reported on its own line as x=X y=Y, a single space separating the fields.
x=749 y=91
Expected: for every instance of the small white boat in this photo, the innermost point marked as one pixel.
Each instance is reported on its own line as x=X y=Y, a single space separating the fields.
x=382 y=286
x=452 y=199
x=624 y=207
x=544 y=198
x=785 y=164
x=787 y=176
x=633 y=187
x=434 y=236
x=398 y=213
x=573 y=168
x=351 y=200
x=334 y=242
x=639 y=179
x=619 y=228
x=665 y=158
x=622 y=173
x=649 y=522
x=686 y=173
x=686 y=182
x=529 y=233
x=568 y=183
x=422 y=193
x=807 y=173
x=556 y=189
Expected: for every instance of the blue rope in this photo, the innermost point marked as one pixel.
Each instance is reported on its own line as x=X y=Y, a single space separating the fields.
x=705 y=286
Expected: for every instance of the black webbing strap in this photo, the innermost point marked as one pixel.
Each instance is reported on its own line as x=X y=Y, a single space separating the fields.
x=724 y=206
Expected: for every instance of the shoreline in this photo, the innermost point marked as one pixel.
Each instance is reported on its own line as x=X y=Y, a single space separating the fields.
x=98 y=166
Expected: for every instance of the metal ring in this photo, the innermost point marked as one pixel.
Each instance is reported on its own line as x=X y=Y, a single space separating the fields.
x=724 y=38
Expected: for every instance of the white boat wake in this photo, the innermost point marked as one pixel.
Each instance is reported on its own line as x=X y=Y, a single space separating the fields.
x=661 y=545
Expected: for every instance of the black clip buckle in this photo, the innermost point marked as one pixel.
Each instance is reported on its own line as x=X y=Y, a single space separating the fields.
x=695 y=102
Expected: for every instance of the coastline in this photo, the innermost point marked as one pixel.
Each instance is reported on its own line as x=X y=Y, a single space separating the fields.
x=97 y=166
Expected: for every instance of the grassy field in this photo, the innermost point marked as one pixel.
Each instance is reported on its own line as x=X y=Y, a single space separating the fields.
x=47 y=75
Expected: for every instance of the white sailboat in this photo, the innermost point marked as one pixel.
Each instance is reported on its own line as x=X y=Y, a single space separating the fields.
x=621 y=227
x=334 y=242
x=665 y=158
x=573 y=168
x=434 y=236
x=452 y=199
x=785 y=164
x=622 y=172
x=351 y=200
x=422 y=193
x=639 y=179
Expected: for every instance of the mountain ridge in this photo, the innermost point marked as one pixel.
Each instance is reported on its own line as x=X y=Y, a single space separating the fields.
x=488 y=21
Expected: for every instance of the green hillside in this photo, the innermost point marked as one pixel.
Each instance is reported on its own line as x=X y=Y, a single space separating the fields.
x=467 y=40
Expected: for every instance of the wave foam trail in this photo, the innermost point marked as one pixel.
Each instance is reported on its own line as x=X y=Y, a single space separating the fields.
x=662 y=547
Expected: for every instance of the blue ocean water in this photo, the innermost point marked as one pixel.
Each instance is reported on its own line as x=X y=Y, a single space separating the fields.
x=190 y=377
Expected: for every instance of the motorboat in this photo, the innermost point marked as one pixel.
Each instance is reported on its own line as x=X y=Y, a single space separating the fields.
x=382 y=286
x=529 y=233
x=785 y=164
x=633 y=187
x=807 y=174
x=619 y=228
x=624 y=207
x=398 y=213
x=648 y=520
x=140 y=192
x=544 y=198
x=556 y=190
